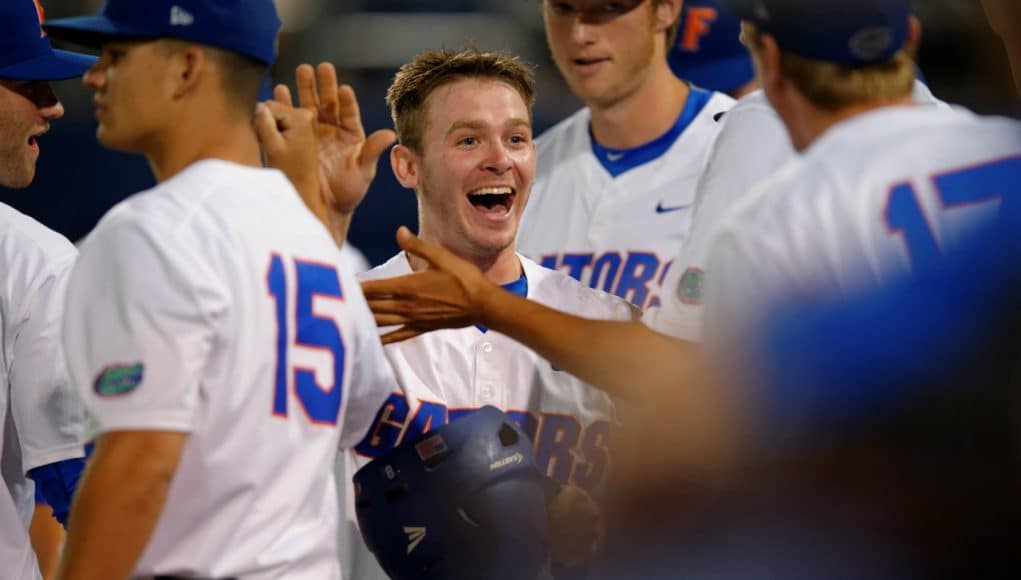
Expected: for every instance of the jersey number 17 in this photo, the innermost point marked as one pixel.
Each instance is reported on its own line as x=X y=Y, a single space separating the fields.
x=316 y=338
x=962 y=187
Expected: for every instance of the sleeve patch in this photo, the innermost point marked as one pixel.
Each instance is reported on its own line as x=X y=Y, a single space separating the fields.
x=119 y=379
x=689 y=291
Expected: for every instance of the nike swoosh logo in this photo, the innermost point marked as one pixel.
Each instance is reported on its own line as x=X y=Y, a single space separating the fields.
x=661 y=209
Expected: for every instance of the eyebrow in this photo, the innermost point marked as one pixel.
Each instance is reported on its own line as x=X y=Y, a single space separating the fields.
x=479 y=125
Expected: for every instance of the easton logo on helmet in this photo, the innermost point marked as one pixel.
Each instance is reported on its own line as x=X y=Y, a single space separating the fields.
x=415 y=536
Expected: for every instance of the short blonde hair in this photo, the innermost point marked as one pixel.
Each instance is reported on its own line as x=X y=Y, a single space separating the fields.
x=832 y=86
x=429 y=71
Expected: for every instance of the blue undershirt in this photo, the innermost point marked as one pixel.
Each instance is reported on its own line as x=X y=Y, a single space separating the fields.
x=519 y=287
x=618 y=161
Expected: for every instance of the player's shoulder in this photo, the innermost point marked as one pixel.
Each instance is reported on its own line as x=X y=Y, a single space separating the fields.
x=559 y=291
x=872 y=140
x=754 y=103
x=24 y=238
x=30 y=254
x=396 y=266
x=710 y=108
x=791 y=181
x=717 y=104
x=207 y=196
x=566 y=137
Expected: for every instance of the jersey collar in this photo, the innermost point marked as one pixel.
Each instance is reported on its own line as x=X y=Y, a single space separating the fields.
x=618 y=161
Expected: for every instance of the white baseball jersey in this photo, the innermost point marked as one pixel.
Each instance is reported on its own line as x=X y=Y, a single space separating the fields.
x=445 y=374
x=41 y=416
x=874 y=196
x=615 y=219
x=353 y=259
x=753 y=144
x=212 y=305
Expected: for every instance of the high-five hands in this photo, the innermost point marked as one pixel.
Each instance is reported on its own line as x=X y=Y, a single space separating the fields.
x=346 y=156
x=449 y=294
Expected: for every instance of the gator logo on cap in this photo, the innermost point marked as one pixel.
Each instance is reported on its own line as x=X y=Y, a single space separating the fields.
x=871 y=43
x=689 y=291
x=116 y=380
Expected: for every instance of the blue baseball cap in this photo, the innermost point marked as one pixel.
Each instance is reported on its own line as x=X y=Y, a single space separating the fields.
x=844 y=32
x=245 y=27
x=25 y=51
x=708 y=50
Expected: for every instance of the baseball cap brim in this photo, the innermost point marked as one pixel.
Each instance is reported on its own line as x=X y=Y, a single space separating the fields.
x=721 y=74
x=55 y=65
x=92 y=31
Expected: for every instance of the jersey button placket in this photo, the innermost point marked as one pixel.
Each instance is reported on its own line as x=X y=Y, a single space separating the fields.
x=486 y=390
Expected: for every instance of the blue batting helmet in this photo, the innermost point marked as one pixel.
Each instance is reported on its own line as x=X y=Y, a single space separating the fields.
x=463 y=501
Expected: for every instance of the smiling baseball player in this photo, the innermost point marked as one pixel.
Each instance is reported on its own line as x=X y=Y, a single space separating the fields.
x=40 y=419
x=464 y=121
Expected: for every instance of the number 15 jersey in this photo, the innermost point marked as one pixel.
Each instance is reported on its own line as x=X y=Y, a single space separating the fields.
x=213 y=305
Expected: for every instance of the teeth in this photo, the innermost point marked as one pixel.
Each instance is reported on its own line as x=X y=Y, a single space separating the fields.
x=492 y=191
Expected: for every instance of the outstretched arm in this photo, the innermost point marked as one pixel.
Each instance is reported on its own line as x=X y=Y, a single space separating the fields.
x=695 y=419
x=622 y=358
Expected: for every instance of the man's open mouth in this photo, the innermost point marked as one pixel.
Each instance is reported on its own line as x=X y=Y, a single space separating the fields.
x=496 y=201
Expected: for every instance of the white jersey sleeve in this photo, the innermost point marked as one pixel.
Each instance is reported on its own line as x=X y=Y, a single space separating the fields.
x=37 y=263
x=142 y=320
x=353 y=259
x=753 y=144
x=41 y=420
x=371 y=376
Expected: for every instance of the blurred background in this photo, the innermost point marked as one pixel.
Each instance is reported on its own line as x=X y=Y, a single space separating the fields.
x=368 y=40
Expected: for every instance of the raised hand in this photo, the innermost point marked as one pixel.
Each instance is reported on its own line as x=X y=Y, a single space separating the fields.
x=288 y=140
x=449 y=294
x=347 y=158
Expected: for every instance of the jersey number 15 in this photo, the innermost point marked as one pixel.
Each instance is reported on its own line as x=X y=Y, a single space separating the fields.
x=316 y=338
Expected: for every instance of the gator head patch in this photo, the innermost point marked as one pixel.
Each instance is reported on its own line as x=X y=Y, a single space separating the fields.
x=689 y=291
x=116 y=380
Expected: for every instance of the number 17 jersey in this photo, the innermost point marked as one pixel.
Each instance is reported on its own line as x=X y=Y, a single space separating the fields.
x=212 y=305
x=875 y=197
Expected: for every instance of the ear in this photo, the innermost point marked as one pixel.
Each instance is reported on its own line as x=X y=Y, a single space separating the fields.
x=770 y=73
x=667 y=13
x=191 y=64
x=405 y=165
x=914 y=36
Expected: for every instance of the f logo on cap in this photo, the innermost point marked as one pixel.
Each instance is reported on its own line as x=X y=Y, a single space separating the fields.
x=42 y=17
x=697 y=26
